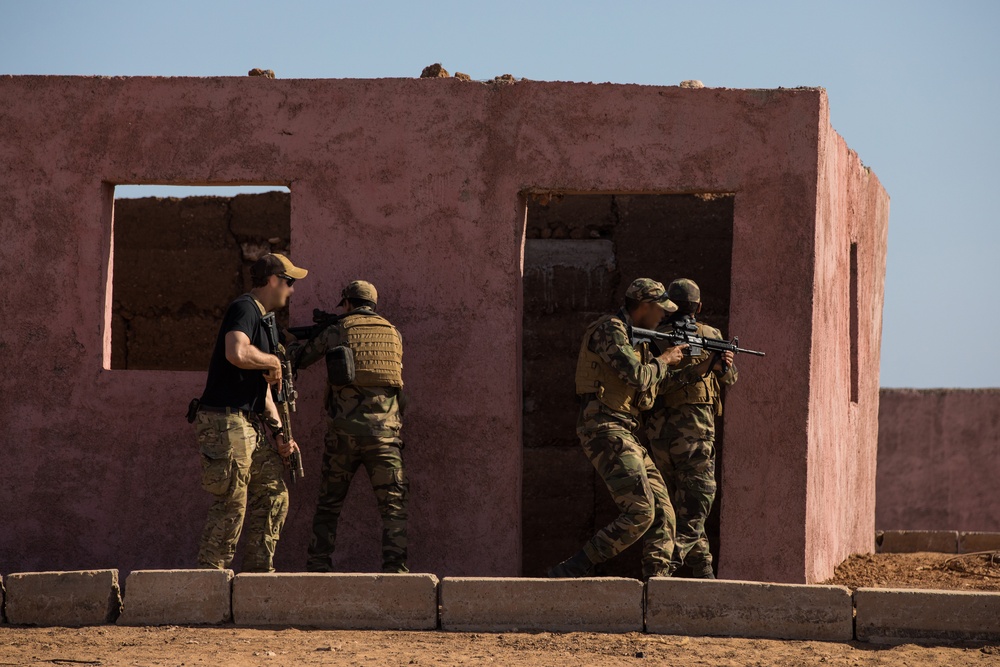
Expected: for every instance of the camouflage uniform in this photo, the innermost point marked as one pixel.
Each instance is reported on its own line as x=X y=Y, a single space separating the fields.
x=363 y=429
x=244 y=473
x=607 y=436
x=681 y=432
x=241 y=470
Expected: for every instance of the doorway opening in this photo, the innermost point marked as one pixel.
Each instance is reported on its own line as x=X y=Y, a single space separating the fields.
x=581 y=252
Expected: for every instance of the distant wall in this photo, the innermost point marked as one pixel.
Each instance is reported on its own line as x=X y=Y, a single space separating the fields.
x=938 y=460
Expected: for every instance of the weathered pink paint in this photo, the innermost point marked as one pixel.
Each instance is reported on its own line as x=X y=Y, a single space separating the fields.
x=938 y=456
x=414 y=185
x=843 y=426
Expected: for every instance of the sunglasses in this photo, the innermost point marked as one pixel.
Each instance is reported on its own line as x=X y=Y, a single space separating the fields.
x=288 y=279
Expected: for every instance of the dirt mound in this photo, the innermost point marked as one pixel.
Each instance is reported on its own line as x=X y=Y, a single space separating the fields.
x=920 y=570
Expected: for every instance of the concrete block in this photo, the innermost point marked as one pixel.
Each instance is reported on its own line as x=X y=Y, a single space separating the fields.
x=177 y=597
x=87 y=597
x=911 y=541
x=748 y=609
x=973 y=541
x=337 y=601
x=894 y=615
x=599 y=604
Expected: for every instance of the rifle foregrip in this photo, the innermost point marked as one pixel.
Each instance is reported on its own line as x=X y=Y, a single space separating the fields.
x=295 y=470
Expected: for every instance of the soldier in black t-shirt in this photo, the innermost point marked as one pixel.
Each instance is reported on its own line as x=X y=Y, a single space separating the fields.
x=239 y=467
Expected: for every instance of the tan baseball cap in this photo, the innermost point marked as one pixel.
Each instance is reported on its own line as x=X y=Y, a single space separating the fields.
x=274 y=264
x=360 y=289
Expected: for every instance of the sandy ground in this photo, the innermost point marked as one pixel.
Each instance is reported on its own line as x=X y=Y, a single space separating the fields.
x=226 y=647
x=229 y=646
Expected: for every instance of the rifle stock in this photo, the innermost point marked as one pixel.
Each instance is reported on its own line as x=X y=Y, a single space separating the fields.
x=321 y=320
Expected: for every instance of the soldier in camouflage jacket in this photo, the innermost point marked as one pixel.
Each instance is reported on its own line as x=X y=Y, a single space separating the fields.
x=681 y=433
x=615 y=382
x=363 y=425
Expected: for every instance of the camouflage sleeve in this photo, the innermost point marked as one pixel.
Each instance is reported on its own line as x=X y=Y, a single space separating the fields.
x=730 y=376
x=305 y=353
x=683 y=376
x=610 y=342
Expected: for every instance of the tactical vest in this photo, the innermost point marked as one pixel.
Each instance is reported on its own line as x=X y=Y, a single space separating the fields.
x=594 y=376
x=377 y=348
x=703 y=392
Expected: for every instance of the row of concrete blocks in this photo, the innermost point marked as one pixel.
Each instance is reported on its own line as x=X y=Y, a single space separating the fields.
x=473 y=604
x=943 y=541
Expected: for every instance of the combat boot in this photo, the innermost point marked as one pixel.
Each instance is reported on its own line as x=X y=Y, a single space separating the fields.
x=703 y=574
x=662 y=572
x=577 y=565
x=319 y=565
x=395 y=568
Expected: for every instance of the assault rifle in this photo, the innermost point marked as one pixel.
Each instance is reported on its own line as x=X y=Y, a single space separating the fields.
x=685 y=332
x=284 y=398
x=321 y=320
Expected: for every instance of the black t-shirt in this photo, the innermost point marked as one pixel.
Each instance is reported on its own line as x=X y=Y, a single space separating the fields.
x=229 y=386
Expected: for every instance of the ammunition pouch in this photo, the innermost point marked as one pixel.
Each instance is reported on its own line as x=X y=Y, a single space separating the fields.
x=192 y=412
x=340 y=366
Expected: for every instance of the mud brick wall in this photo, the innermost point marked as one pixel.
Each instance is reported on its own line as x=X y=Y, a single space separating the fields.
x=178 y=262
x=581 y=254
x=938 y=453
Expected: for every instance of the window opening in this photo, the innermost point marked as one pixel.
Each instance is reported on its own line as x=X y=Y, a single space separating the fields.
x=181 y=254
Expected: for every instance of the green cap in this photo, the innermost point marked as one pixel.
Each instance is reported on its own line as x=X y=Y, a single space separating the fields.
x=647 y=289
x=684 y=289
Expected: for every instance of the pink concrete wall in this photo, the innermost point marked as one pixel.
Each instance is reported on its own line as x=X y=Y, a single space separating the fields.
x=938 y=457
x=414 y=185
x=852 y=209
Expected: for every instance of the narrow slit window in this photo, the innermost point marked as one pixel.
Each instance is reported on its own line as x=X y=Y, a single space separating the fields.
x=854 y=324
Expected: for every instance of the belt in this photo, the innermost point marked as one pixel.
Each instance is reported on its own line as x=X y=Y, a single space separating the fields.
x=246 y=414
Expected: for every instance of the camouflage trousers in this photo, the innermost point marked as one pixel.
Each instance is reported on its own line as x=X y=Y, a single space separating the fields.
x=683 y=447
x=244 y=474
x=640 y=493
x=342 y=457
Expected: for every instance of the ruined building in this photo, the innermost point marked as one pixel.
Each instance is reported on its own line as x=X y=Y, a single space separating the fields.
x=495 y=220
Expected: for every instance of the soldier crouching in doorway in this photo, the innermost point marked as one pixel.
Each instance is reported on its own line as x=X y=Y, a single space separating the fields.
x=681 y=432
x=239 y=467
x=364 y=406
x=615 y=381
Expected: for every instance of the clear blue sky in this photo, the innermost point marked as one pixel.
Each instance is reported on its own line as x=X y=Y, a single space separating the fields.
x=914 y=88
